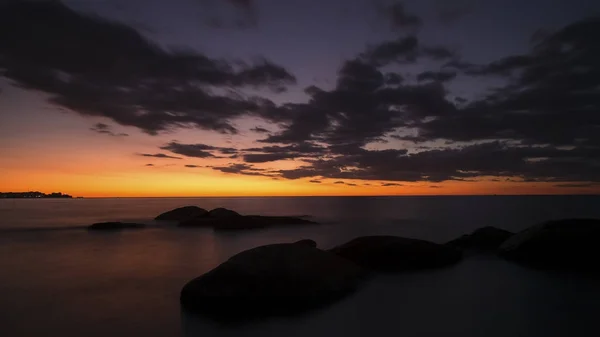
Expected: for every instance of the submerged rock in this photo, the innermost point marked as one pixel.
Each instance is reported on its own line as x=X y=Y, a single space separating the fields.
x=240 y=222
x=562 y=244
x=223 y=213
x=182 y=214
x=278 y=279
x=307 y=242
x=486 y=238
x=102 y=226
x=394 y=254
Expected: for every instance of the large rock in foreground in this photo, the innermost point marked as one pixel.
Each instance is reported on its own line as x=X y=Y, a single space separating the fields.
x=111 y=226
x=486 y=238
x=230 y=223
x=562 y=244
x=271 y=280
x=183 y=214
x=394 y=254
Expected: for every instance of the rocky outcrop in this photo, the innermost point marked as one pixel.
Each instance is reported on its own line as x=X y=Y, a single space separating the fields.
x=183 y=214
x=486 y=238
x=562 y=244
x=307 y=242
x=271 y=280
x=111 y=226
x=223 y=213
x=394 y=254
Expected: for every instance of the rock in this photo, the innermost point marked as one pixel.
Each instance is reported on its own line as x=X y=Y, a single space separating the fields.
x=182 y=214
x=486 y=238
x=562 y=244
x=272 y=280
x=307 y=242
x=394 y=254
x=223 y=213
x=229 y=223
x=109 y=226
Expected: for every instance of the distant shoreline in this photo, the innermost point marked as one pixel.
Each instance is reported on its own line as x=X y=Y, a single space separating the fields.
x=34 y=195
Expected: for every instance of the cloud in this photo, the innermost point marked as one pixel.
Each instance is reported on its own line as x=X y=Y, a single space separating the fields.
x=576 y=185
x=149 y=164
x=398 y=18
x=351 y=184
x=390 y=184
x=192 y=166
x=259 y=130
x=495 y=135
x=339 y=183
x=196 y=150
x=243 y=169
x=437 y=76
x=556 y=85
x=158 y=155
x=151 y=88
x=274 y=153
x=106 y=129
x=435 y=186
x=266 y=157
x=315 y=181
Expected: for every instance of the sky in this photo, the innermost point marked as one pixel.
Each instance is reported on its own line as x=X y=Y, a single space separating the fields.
x=316 y=97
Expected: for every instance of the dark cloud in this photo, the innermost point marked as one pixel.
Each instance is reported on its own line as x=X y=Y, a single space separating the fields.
x=351 y=184
x=437 y=76
x=106 y=130
x=360 y=109
x=120 y=75
x=398 y=18
x=158 y=155
x=259 y=130
x=406 y=50
x=266 y=157
x=243 y=169
x=192 y=166
x=401 y=50
x=435 y=186
x=551 y=97
x=527 y=163
x=315 y=181
x=197 y=150
x=390 y=184
x=149 y=164
x=274 y=153
x=576 y=185
x=541 y=126
x=339 y=183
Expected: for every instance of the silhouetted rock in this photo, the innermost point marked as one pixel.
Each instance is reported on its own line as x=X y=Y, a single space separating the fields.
x=271 y=280
x=183 y=213
x=561 y=244
x=111 y=226
x=223 y=213
x=240 y=222
x=486 y=238
x=307 y=242
x=393 y=254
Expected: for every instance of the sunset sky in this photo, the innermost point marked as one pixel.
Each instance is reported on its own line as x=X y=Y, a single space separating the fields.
x=311 y=97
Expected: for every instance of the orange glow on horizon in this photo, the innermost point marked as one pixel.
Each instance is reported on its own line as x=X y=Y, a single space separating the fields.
x=185 y=182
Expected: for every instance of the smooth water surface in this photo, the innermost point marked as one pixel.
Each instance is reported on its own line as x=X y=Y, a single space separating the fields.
x=57 y=279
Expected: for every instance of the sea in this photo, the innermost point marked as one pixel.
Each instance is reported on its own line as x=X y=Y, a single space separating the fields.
x=58 y=279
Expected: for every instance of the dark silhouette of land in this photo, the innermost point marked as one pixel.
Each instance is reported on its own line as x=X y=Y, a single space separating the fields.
x=32 y=195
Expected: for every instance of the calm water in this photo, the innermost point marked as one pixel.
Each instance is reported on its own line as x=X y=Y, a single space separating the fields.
x=57 y=279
